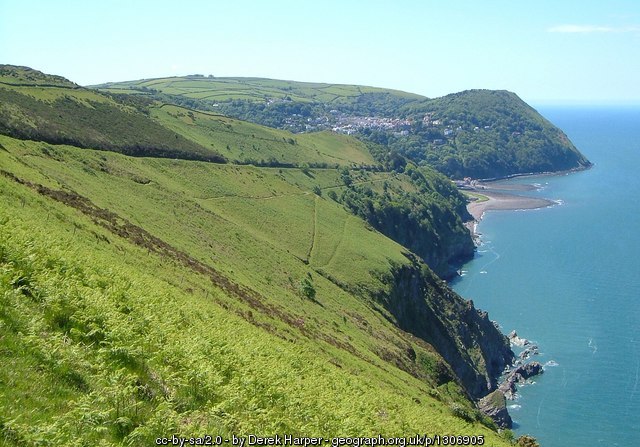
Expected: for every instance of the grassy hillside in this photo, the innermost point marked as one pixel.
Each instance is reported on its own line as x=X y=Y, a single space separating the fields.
x=476 y=133
x=144 y=297
x=419 y=209
x=251 y=89
x=246 y=142
x=14 y=75
x=59 y=111
x=42 y=107
x=36 y=106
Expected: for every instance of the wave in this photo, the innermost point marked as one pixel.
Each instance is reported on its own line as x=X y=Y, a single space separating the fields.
x=540 y=186
x=635 y=386
x=593 y=346
x=514 y=407
x=551 y=363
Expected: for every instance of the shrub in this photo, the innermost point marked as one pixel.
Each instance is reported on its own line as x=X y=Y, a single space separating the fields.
x=527 y=441
x=307 y=288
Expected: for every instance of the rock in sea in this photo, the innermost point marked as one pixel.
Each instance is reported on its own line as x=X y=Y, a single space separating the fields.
x=494 y=405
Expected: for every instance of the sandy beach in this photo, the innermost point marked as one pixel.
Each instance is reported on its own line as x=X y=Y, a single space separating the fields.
x=500 y=201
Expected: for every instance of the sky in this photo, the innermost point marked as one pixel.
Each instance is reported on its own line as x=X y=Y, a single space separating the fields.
x=548 y=52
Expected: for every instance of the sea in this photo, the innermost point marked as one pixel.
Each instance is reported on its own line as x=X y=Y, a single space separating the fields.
x=567 y=277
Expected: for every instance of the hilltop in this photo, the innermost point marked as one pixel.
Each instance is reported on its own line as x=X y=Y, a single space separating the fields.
x=256 y=90
x=476 y=133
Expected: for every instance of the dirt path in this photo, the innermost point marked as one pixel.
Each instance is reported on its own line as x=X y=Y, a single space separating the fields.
x=314 y=229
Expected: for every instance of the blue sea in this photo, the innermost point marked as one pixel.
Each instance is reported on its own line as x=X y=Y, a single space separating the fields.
x=568 y=278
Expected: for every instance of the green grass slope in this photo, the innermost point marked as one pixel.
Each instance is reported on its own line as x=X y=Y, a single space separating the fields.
x=24 y=76
x=48 y=108
x=476 y=133
x=42 y=107
x=251 y=89
x=245 y=142
x=143 y=297
x=141 y=126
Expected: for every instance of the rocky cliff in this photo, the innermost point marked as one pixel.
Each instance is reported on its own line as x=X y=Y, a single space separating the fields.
x=494 y=405
x=424 y=306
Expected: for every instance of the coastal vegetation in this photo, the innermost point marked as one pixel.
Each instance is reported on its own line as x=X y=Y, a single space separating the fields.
x=418 y=209
x=170 y=270
x=476 y=133
x=60 y=112
x=158 y=301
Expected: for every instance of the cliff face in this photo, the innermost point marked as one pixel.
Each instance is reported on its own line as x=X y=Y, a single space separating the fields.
x=440 y=249
x=421 y=210
x=465 y=337
x=459 y=249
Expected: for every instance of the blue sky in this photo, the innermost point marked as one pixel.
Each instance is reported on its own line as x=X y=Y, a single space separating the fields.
x=545 y=51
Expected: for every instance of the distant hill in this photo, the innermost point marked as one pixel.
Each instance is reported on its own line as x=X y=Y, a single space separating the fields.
x=249 y=143
x=487 y=133
x=37 y=106
x=15 y=75
x=477 y=133
x=258 y=90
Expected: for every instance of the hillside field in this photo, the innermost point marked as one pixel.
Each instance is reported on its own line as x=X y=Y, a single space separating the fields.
x=177 y=312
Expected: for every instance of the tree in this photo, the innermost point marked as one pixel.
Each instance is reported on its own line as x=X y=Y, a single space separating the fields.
x=346 y=177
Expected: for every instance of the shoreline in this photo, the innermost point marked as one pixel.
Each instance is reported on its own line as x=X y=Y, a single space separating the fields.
x=492 y=200
x=536 y=174
x=485 y=197
x=508 y=202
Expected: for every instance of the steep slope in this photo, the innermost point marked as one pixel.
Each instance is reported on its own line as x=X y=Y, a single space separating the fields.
x=170 y=294
x=476 y=133
x=484 y=134
x=181 y=304
x=36 y=106
x=421 y=210
x=42 y=107
x=245 y=142
x=430 y=212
